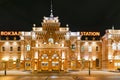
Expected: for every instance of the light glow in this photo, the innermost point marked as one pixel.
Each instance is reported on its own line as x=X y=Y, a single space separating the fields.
x=94 y=58
x=63 y=55
x=5 y=58
x=78 y=57
x=117 y=57
x=14 y=58
x=109 y=57
x=78 y=38
x=36 y=55
x=7 y=43
x=22 y=57
x=109 y=36
x=86 y=57
x=86 y=43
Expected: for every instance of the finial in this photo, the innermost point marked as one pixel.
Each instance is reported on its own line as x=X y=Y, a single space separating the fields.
x=34 y=25
x=51 y=14
x=113 y=27
x=67 y=25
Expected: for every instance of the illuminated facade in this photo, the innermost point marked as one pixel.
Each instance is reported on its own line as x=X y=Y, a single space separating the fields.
x=111 y=49
x=49 y=48
x=55 y=48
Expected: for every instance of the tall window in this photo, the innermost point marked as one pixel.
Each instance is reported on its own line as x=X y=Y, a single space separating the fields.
x=19 y=48
x=96 y=48
x=114 y=47
x=82 y=49
x=97 y=62
x=3 y=48
x=89 y=49
x=28 y=47
x=11 y=48
x=73 y=46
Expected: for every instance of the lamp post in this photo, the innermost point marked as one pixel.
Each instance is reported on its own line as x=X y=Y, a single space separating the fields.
x=5 y=59
x=89 y=68
x=89 y=61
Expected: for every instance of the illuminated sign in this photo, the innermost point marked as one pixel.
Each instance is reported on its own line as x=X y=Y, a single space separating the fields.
x=90 y=33
x=9 y=33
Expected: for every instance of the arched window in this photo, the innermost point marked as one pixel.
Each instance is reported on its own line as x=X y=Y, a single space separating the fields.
x=73 y=46
x=44 y=56
x=55 y=56
x=51 y=40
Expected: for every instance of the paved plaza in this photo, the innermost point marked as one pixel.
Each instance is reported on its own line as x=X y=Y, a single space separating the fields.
x=71 y=75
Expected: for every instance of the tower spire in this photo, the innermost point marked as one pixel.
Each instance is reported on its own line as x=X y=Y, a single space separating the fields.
x=51 y=9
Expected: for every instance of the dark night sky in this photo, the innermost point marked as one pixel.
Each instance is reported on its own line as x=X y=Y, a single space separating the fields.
x=81 y=15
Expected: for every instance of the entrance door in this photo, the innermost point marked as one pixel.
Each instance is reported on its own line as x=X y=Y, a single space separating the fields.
x=44 y=63
x=27 y=65
x=55 y=62
x=73 y=65
x=44 y=66
x=55 y=65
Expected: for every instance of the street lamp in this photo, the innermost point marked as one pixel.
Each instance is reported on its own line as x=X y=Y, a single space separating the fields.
x=89 y=52
x=88 y=60
x=5 y=59
x=89 y=67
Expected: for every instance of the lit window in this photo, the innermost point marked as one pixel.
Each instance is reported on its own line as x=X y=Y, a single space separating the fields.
x=44 y=55
x=119 y=46
x=73 y=46
x=36 y=44
x=89 y=49
x=109 y=36
x=55 y=63
x=117 y=64
x=27 y=64
x=44 y=63
x=114 y=46
x=11 y=48
x=50 y=40
x=28 y=47
x=82 y=49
